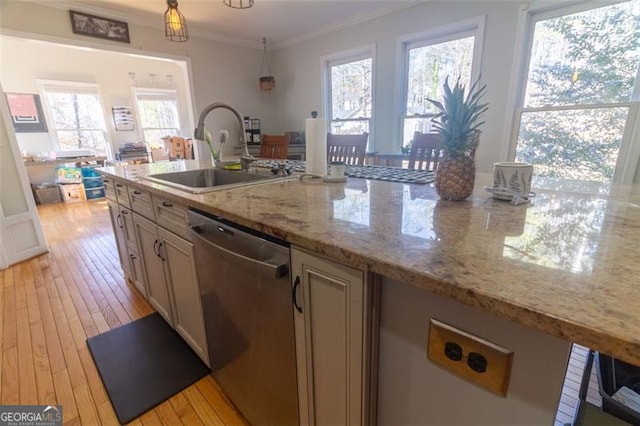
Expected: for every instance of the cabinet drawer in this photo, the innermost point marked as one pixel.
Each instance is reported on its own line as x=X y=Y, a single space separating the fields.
x=122 y=194
x=109 y=189
x=141 y=203
x=171 y=216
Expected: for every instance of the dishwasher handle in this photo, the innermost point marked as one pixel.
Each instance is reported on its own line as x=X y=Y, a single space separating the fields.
x=273 y=267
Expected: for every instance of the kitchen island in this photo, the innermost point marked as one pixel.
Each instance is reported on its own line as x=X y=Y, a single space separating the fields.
x=565 y=265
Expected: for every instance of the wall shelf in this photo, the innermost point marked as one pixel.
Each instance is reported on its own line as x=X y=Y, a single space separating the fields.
x=91 y=159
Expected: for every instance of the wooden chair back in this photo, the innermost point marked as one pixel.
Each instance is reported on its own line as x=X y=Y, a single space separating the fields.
x=425 y=152
x=348 y=148
x=274 y=146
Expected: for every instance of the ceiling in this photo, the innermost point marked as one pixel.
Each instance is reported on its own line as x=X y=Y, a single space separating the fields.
x=282 y=22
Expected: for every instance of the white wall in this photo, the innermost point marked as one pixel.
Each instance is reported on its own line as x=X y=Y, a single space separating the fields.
x=220 y=72
x=413 y=390
x=298 y=67
x=26 y=61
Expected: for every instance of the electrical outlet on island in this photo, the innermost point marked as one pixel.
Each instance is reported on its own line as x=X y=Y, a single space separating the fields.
x=476 y=360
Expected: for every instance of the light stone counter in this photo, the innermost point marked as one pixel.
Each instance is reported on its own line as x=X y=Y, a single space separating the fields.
x=567 y=264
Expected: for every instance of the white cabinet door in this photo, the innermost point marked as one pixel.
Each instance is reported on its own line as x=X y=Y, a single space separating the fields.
x=168 y=263
x=182 y=279
x=21 y=234
x=123 y=229
x=152 y=253
x=137 y=275
x=118 y=230
x=331 y=340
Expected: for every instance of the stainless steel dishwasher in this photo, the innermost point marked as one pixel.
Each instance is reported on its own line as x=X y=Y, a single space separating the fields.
x=245 y=287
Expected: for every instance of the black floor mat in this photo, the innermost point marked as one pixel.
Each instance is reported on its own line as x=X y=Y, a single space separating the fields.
x=142 y=364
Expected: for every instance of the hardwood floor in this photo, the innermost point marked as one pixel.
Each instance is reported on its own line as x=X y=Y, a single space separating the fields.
x=49 y=305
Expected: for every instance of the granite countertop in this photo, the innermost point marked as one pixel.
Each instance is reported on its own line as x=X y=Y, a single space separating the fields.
x=567 y=264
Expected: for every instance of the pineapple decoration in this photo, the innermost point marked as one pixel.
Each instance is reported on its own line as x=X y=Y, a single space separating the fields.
x=458 y=123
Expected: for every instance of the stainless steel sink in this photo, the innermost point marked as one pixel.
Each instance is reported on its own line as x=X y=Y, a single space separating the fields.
x=207 y=180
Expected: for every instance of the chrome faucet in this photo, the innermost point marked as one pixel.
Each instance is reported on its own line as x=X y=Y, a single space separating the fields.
x=246 y=158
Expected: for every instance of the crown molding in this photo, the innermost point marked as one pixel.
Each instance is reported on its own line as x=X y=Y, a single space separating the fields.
x=90 y=45
x=398 y=5
x=143 y=19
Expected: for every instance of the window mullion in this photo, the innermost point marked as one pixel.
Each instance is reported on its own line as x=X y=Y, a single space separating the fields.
x=163 y=100
x=352 y=101
x=425 y=52
x=428 y=115
x=346 y=120
x=86 y=99
x=83 y=129
x=515 y=132
x=635 y=92
x=629 y=154
x=572 y=137
x=578 y=107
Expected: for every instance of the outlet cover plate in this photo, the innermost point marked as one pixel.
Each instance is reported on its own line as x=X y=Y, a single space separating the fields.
x=499 y=360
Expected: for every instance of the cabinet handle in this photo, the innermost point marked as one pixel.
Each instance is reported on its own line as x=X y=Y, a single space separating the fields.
x=165 y=204
x=294 y=294
x=160 y=252
x=124 y=212
x=157 y=246
x=119 y=185
x=137 y=193
x=118 y=220
x=133 y=256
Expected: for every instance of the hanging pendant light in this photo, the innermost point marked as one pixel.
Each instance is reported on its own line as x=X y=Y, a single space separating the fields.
x=267 y=80
x=239 y=4
x=175 y=26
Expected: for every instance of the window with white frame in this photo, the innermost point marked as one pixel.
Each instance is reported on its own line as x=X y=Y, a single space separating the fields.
x=77 y=116
x=579 y=98
x=428 y=60
x=157 y=114
x=350 y=94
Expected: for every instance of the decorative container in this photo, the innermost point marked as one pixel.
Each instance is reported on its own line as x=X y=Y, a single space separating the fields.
x=267 y=83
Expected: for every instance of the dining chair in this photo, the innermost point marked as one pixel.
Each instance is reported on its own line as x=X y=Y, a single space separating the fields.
x=348 y=148
x=274 y=146
x=426 y=151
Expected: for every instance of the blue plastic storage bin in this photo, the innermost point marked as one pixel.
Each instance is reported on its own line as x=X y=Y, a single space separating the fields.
x=93 y=193
x=92 y=182
x=89 y=172
x=66 y=174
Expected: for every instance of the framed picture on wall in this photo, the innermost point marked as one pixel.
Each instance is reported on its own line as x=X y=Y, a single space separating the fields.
x=26 y=113
x=96 y=26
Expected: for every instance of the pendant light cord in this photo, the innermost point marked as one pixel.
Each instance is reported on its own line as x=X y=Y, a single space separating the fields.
x=265 y=58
